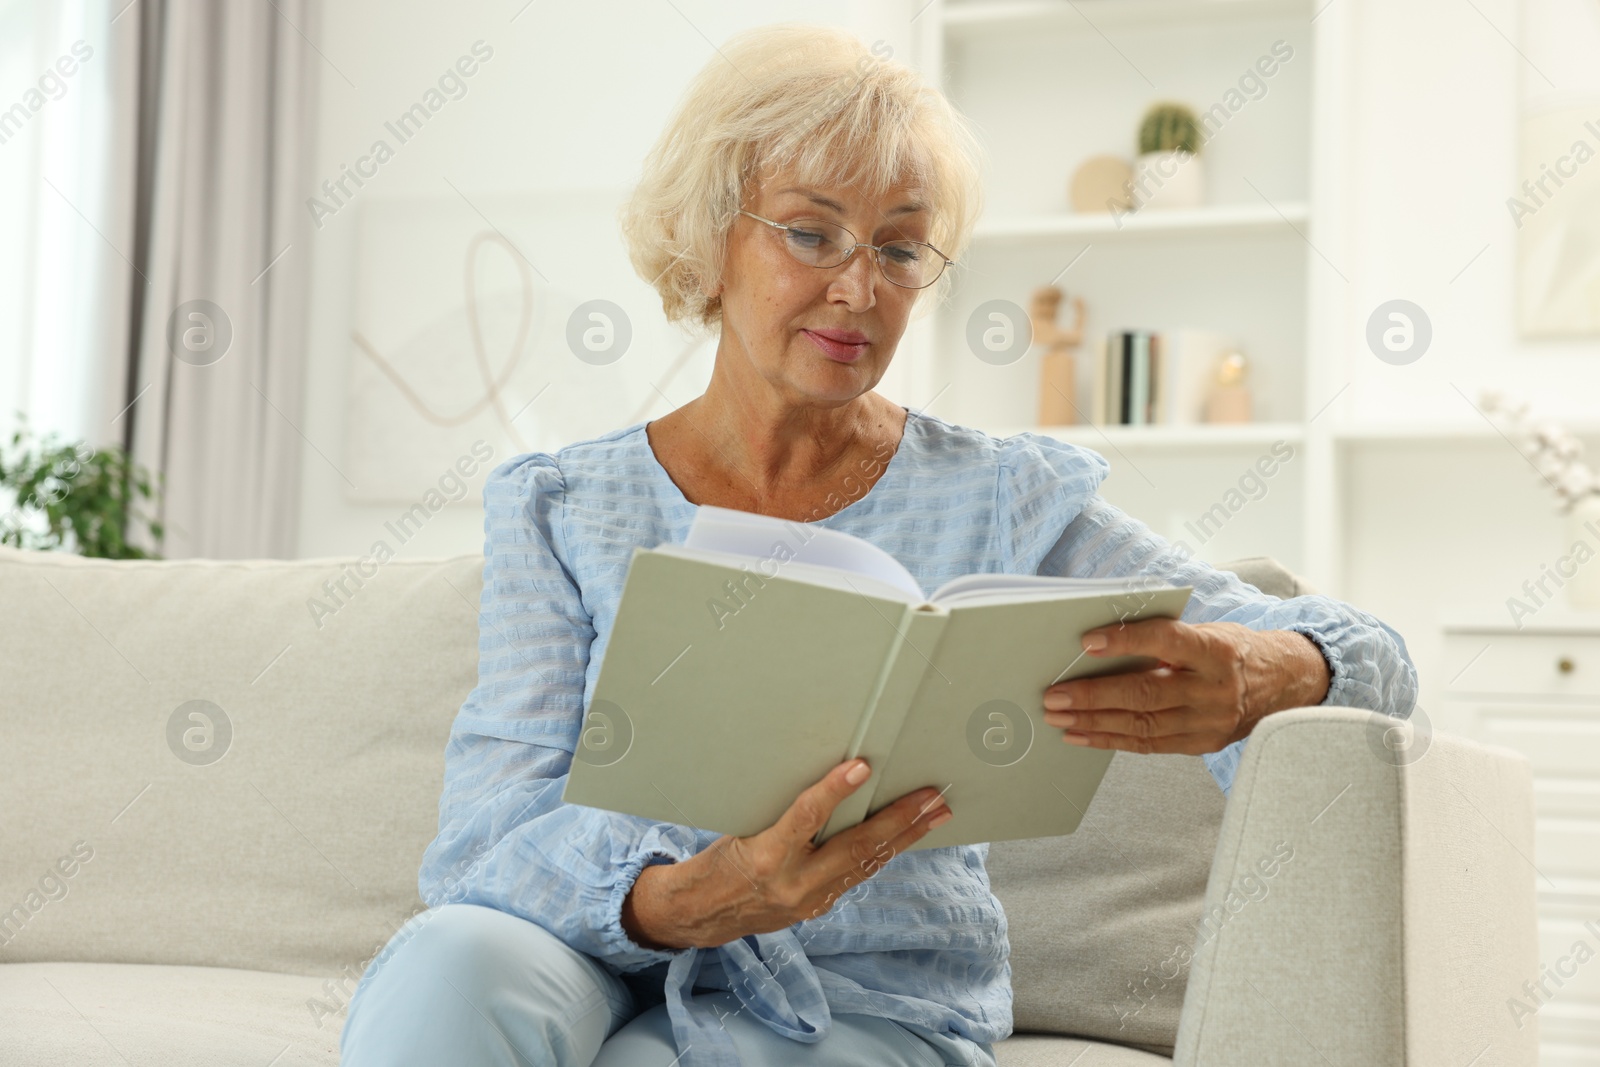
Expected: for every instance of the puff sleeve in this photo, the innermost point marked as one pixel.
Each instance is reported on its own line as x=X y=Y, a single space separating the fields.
x=506 y=840
x=1055 y=523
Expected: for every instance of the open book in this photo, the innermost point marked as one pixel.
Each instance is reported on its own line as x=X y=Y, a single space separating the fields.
x=748 y=661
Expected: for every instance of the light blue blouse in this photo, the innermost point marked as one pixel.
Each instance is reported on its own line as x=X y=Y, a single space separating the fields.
x=923 y=941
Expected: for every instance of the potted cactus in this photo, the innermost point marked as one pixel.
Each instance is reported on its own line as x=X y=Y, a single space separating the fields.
x=1167 y=173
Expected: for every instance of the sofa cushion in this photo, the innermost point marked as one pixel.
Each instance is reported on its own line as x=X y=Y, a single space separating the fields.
x=114 y=1014
x=1033 y=1050
x=1269 y=576
x=297 y=850
x=1102 y=922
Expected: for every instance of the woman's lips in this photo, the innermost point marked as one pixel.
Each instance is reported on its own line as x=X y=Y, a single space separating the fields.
x=837 y=350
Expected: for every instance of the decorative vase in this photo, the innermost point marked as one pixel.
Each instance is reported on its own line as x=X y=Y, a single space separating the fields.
x=1229 y=398
x=1101 y=183
x=1583 y=524
x=1175 y=179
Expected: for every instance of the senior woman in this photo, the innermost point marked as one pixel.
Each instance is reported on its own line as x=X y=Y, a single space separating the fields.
x=804 y=198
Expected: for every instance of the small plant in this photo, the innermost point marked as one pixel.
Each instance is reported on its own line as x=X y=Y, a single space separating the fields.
x=85 y=496
x=1169 y=127
x=1555 y=453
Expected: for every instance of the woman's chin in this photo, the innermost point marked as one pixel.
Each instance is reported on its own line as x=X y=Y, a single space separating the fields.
x=825 y=378
x=839 y=383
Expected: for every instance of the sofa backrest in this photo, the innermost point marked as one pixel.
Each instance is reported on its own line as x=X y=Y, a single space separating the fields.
x=282 y=833
x=1102 y=922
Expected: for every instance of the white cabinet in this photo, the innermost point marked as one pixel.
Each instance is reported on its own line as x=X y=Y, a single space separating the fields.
x=1537 y=690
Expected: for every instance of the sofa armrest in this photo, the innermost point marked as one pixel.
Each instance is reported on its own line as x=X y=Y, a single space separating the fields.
x=1364 y=908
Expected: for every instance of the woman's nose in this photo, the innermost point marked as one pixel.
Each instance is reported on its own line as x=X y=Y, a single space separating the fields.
x=858 y=276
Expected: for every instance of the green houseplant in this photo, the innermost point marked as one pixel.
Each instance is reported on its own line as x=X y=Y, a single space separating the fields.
x=87 y=498
x=1167 y=127
x=1167 y=173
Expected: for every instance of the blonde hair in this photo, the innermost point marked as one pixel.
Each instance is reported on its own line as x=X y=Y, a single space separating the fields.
x=817 y=98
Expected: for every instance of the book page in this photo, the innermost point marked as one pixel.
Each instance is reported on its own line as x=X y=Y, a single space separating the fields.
x=830 y=577
x=1039 y=585
x=782 y=541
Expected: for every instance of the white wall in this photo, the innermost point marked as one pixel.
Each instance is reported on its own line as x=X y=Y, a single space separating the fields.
x=1434 y=124
x=577 y=93
x=1446 y=528
x=573 y=98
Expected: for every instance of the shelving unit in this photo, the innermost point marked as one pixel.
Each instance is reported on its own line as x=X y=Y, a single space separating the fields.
x=976 y=16
x=1048 y=85
x=1223 y=220
x=1367 y=432
x=1249 y=435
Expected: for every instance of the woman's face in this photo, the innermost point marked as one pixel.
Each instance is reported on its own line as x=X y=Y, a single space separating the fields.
x=775 y=309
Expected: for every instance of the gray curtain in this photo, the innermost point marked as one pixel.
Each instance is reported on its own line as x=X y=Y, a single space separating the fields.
x=220 y=266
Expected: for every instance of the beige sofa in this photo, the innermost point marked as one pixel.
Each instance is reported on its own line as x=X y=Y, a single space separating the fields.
x=202 y=883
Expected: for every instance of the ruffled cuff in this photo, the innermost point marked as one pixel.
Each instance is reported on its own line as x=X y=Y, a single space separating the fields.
x=1333 y=655
x=622 y=954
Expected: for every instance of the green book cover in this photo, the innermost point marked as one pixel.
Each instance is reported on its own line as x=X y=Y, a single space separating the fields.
x=1139 y=405
x=746 y=663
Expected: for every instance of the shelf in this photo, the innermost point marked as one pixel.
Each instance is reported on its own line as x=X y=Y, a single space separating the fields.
x=1552 y=618
x=1255 y=434
x=1382 y=432
x=1242 y=435
x=1221 y=219
x=1089 y=16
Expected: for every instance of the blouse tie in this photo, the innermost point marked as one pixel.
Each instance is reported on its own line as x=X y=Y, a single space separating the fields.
x=773 y=979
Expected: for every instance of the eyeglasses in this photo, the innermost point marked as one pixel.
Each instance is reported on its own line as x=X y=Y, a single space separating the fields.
x=909 y=264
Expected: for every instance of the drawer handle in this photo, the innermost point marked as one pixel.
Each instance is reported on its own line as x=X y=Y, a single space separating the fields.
x=1565 y=665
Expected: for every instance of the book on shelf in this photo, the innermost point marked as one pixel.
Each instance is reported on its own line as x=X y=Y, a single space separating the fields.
x=749 y=660
x=1138 y=377
x=1131 y=378
x=1149 y=377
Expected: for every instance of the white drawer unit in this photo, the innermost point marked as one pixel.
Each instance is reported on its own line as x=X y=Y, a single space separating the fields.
x=1537 y=690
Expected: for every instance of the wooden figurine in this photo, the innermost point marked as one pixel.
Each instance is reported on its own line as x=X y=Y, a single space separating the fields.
x=1058 y=397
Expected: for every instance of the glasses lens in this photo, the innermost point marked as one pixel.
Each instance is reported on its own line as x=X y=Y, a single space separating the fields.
x=825 y=244
x=911 y=263
x=818 y=243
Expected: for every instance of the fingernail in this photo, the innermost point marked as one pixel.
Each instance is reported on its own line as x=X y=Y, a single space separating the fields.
x=934 y=824
x=1094 y=642
x=1075 y=739
x=857 y=774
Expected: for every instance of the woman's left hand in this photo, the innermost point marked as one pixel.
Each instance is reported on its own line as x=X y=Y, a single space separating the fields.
x=1214 y=682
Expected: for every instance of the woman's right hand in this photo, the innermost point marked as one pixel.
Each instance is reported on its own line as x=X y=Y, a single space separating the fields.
x=774 y=879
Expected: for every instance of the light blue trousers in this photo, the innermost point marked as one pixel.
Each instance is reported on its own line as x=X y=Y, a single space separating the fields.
x=475 y=987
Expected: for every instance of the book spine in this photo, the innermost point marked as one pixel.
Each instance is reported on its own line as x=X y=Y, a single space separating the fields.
x=1125 y=412
x=1158 y=377
x=1110 y=354
x=1113 y=366
x=1140 y=406
x=906 y=668
x=1151 y=392
x=1098 y=415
